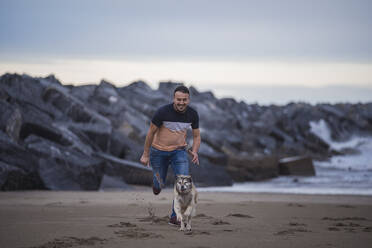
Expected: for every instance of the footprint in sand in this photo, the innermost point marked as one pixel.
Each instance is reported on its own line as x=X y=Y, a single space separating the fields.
x=72 y=241
x=296 y=205
x=200 y=247
x=202 y=216
x=196 y=232
x=296 y=224
x=345 y=219
x=154 y=219
x=131 y=231
x=334 y=228
x=220 y=222
x=239 y=215
x=348 y=227
x=137 y=233
x=123 y=224
x=53 y=204
x=350 y=224
x=346 y=206
x=292 y=231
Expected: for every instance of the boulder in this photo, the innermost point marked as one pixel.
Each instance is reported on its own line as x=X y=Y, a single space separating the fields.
x=72 y=173
x=245 y=168
x=121 y=146
x=208 y=174
x=110 y=183
x=106 y=101
x=98 y=134
x=25 y=91
x=13 y=178
x=10 y=120
x=53 y=135
x=63 y=168
x=125 y=170
x=142 y=99
x=167 y=88
x=72 y=107
x=19 y=166
x=301 y=166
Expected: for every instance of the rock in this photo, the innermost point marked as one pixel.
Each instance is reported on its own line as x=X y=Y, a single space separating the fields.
x=142 y=99
x=25 y=91
x=106 y=100
x=332 y=110
x=77 y=140
x=15 y=178
x=277 y=133
x=127 y=171
x=246 y=168
x=83 y=92
x=124 y=147
x=45 y=131
x=113 y=183
x=11 y=177
x=213 y=156
x=10 y=120
x=98 y=134
x=53 y=135
x=208 y=174
x=72 y=107
x=19 y=166
x=167 y=88
x=63 y=168
x=74 y=172
x=301 y=166
x=4 y=95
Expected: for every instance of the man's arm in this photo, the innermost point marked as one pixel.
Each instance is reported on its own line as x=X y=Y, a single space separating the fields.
x=145 y=158
x=195 y=146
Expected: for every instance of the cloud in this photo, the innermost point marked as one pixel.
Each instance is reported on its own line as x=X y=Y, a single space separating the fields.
x=336 y=30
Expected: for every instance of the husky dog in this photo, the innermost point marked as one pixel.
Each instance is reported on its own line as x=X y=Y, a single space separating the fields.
x=185 y=199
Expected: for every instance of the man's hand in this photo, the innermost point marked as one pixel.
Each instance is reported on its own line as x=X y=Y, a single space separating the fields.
x=145 y=160
x=195 y=157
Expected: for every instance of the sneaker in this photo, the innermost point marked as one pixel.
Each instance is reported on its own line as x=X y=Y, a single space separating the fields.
x=173 y=221
x=156 y=191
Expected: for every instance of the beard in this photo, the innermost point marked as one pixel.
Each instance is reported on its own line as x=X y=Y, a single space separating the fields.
x=180 y=107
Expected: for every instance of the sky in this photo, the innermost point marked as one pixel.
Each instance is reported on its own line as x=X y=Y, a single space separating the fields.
x=264 y=51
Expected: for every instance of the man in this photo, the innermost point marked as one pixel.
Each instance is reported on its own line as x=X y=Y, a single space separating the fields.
x=166 y=141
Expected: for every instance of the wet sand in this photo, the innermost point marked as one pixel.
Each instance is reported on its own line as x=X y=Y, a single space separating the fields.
x=137 y=218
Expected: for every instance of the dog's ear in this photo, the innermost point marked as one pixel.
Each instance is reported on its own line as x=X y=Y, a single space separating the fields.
x=189 y=178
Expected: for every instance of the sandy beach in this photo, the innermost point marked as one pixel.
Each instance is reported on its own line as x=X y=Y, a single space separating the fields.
x=137 y=218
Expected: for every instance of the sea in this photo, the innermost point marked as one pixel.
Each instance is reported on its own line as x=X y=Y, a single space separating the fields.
x=340 y=175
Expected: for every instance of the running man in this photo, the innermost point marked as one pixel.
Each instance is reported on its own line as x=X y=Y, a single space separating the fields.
x=166 y=141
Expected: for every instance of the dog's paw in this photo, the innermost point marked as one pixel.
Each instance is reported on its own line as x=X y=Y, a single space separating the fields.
x=188 y=227
x=182 y=228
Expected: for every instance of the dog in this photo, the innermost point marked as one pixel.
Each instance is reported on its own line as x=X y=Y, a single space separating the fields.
x=185 y=200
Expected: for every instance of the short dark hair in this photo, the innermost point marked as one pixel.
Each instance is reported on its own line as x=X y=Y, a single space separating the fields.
x=183 y=89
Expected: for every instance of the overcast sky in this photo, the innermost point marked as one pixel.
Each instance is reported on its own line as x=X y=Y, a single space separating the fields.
x=297 y=43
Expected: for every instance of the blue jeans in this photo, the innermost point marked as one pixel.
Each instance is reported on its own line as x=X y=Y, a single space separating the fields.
x=160 y=161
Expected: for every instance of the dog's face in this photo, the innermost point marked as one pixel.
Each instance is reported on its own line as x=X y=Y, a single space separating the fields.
x=183 y=184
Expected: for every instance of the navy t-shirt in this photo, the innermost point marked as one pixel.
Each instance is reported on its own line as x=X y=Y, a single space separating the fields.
x=168 y=116
x=173 y=127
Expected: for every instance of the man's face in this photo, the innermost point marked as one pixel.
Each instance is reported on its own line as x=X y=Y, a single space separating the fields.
x=180 y=101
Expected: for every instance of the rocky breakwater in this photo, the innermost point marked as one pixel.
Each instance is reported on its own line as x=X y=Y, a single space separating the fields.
x=65 y=137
